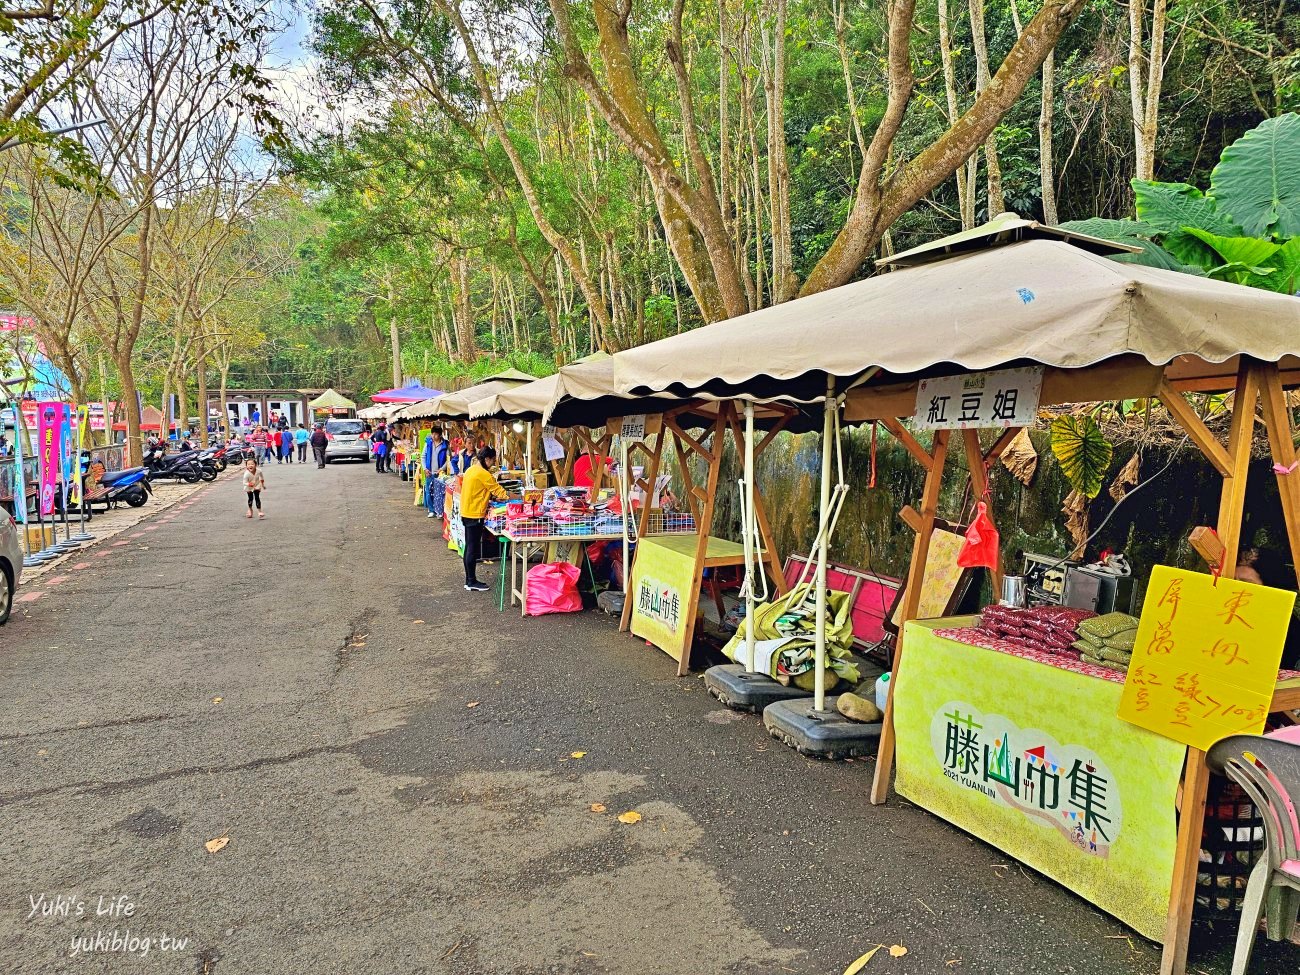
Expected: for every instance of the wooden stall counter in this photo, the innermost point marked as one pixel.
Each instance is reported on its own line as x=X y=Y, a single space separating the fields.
x=1033 y=759
x=664 y=592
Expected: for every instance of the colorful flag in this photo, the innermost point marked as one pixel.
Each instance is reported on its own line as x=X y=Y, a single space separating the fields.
x=49 y=432
x=20 y=479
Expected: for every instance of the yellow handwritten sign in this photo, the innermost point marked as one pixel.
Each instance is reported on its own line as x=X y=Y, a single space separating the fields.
x=1206 y=658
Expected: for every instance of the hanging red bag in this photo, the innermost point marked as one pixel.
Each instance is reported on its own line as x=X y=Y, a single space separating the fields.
x=981 y=544
x=553 y=588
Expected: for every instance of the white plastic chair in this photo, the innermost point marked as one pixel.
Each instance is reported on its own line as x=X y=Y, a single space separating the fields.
x=1269 y=771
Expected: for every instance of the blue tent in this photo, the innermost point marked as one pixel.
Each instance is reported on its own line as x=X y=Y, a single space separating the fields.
x=412 y=392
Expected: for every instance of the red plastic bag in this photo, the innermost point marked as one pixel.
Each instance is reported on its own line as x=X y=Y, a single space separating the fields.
x=553 y=588
x=981 y=544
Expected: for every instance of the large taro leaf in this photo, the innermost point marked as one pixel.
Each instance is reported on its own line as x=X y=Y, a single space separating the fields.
x=1246 y=260
x=1171 y=208
x=1083 y=452
x=1286 y=277
x=1135 y=233
x=1257 y=180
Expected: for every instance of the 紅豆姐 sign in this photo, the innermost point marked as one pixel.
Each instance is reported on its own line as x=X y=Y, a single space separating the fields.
x=1004 y=398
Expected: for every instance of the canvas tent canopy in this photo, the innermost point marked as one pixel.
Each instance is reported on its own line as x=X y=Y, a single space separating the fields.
x=380 y=411
x=1036 y=301
x=526 y=402
x=332 y=400
x=456 y=406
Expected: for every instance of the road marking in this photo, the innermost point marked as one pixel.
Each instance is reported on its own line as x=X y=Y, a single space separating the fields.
x=27 y=597
x=82 y=565
x=55 y=580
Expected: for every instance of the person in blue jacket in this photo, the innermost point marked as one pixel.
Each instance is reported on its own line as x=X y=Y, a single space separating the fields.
x=433 y=460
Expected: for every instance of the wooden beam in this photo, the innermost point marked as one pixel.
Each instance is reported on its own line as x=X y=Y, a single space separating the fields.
x=1281 y=442
x=914 y=448
x=762 y=445
x=911 y=602
x=1191 y=819
x=703 y=528
x=979 y=482
x=1195 y=428
x=643 y=524
x=690 y=441
x=1001 y=444
x=688 y=480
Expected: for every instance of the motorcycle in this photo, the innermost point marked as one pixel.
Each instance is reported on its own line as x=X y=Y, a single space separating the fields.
x=131 y=486
x=182 y=466
x=216 y=455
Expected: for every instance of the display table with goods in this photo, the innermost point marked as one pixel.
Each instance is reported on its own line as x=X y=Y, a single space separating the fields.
x=1024 y=748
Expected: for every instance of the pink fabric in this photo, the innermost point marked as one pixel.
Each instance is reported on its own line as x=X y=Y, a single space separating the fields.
x=1290 y=733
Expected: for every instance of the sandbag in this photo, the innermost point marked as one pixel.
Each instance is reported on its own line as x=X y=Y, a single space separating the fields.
x=553 y=588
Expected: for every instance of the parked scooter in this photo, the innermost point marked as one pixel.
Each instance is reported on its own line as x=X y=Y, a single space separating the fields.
x=182 y=466
x=131 y=485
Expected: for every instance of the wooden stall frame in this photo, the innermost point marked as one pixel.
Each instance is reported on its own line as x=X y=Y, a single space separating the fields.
x=1122 y=378
x=699 y=499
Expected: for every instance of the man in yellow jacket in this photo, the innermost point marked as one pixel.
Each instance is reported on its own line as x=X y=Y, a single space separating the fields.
x=477 y=488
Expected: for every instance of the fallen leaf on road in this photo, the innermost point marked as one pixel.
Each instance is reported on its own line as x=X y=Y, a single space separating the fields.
x=472 y=704
x=861 y=962
x=42 y=751
x=897 y=951
x=213 y=846
x=216 y=700
x=598 y=807
x=629 y=817
x=577 y=754
x=417 y=621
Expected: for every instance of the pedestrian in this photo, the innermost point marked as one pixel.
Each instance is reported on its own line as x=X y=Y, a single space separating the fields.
x=432 y=462
x=259 y=440
x=286 y=445
x=319 y=441
x=273 y=443
x=477 y=489
x=379 y=444
x=300 y=438
x=254 y=485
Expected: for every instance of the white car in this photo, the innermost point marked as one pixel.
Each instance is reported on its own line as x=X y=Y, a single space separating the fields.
x=347 y=438
x=11 y=563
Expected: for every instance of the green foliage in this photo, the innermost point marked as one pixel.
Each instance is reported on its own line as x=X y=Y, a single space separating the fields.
x=1083 y=452
x=1242 y=231
x=1257 y=181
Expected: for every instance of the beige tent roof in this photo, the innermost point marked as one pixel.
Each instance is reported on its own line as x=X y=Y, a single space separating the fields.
x=455 y=406
x=584 y=397
x=331 y=399
x=1038 y=301
x=1005 y=228
x=380 y=411
x=526 y=402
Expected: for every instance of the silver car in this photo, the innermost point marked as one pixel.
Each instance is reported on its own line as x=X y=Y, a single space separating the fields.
x=347 y=438
x=11 y=563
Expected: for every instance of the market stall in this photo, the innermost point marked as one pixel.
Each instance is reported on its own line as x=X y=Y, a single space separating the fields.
x=331 y=403
x=676 y=548
x=981 y=340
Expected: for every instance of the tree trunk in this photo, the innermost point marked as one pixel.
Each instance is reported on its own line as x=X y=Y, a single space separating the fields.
x=996 y=203
x=784 y=284
x=879 y=201
x=222 y=397
x=1047 y=169
x=394 y=339
x=966 y=173
x=1145 y=78
x=201 y=367
x=463 y=311
x=131 y=405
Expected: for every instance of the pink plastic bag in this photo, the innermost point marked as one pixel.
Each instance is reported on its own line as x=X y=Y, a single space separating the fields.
x=553 y=588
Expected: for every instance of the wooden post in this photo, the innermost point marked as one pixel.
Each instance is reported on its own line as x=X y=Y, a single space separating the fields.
x=979 y=484
x=911 y=602
x=1191 y=817
x=1281 y=442
x=643 y=523
x=703 y=526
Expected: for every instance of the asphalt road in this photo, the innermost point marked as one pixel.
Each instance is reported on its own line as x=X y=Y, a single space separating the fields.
x=391 y=760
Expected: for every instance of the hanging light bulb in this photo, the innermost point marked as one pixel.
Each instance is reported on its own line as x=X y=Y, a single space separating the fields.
x=517 y=426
